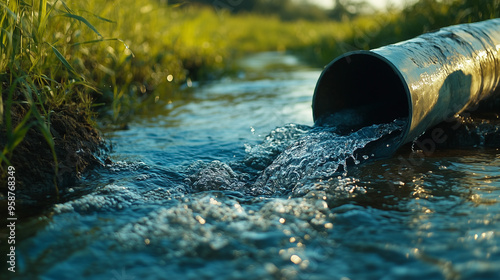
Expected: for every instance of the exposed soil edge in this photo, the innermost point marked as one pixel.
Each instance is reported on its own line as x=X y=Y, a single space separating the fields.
x=78 y=145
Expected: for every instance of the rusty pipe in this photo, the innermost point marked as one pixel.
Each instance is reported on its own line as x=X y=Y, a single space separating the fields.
x=425 y=80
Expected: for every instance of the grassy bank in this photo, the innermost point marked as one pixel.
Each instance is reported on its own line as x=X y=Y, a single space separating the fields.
x=62 y=64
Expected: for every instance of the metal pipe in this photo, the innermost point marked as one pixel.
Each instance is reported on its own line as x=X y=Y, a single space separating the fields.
x=426 y=80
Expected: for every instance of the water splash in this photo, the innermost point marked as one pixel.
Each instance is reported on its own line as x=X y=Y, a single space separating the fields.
x=294 y=156
x=262 y=155
x=323 y=153
x=215 y=175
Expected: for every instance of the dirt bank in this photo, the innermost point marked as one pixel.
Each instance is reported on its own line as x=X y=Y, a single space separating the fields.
x=78 y=146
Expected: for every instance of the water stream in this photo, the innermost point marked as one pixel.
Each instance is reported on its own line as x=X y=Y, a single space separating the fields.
x=235 y=182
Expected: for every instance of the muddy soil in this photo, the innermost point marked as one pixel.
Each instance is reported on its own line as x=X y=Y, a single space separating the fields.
x=78 y=145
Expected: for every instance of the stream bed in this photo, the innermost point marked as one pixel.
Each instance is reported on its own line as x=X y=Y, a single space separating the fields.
x=234 y=182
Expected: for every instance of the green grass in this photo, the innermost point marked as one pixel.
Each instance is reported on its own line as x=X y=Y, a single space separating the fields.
x=168 y=46
x=33 y=72
x=36 y=77
x=113 y=56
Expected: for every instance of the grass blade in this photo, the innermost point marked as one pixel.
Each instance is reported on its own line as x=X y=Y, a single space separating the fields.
x=83 y=20
x=9 y=12
x=66 y=7
x=42 y=16
x=63 y=60
x=4 y=158
x=94 y=41
x=20 y=131
x=99 y=17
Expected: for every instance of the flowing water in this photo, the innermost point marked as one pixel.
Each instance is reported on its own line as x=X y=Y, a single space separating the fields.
x=233 y=182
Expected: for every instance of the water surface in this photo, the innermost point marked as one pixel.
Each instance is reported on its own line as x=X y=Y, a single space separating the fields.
x=233 y=182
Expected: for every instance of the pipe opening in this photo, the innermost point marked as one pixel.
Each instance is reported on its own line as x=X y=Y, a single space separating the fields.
x=365 y=87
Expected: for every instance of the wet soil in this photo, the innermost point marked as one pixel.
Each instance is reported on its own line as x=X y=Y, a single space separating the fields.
x=78 y=145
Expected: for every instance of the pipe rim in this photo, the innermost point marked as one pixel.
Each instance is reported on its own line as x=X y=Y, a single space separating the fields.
x=373 y=54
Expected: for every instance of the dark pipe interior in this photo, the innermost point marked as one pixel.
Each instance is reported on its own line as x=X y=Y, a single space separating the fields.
x=363 y=82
